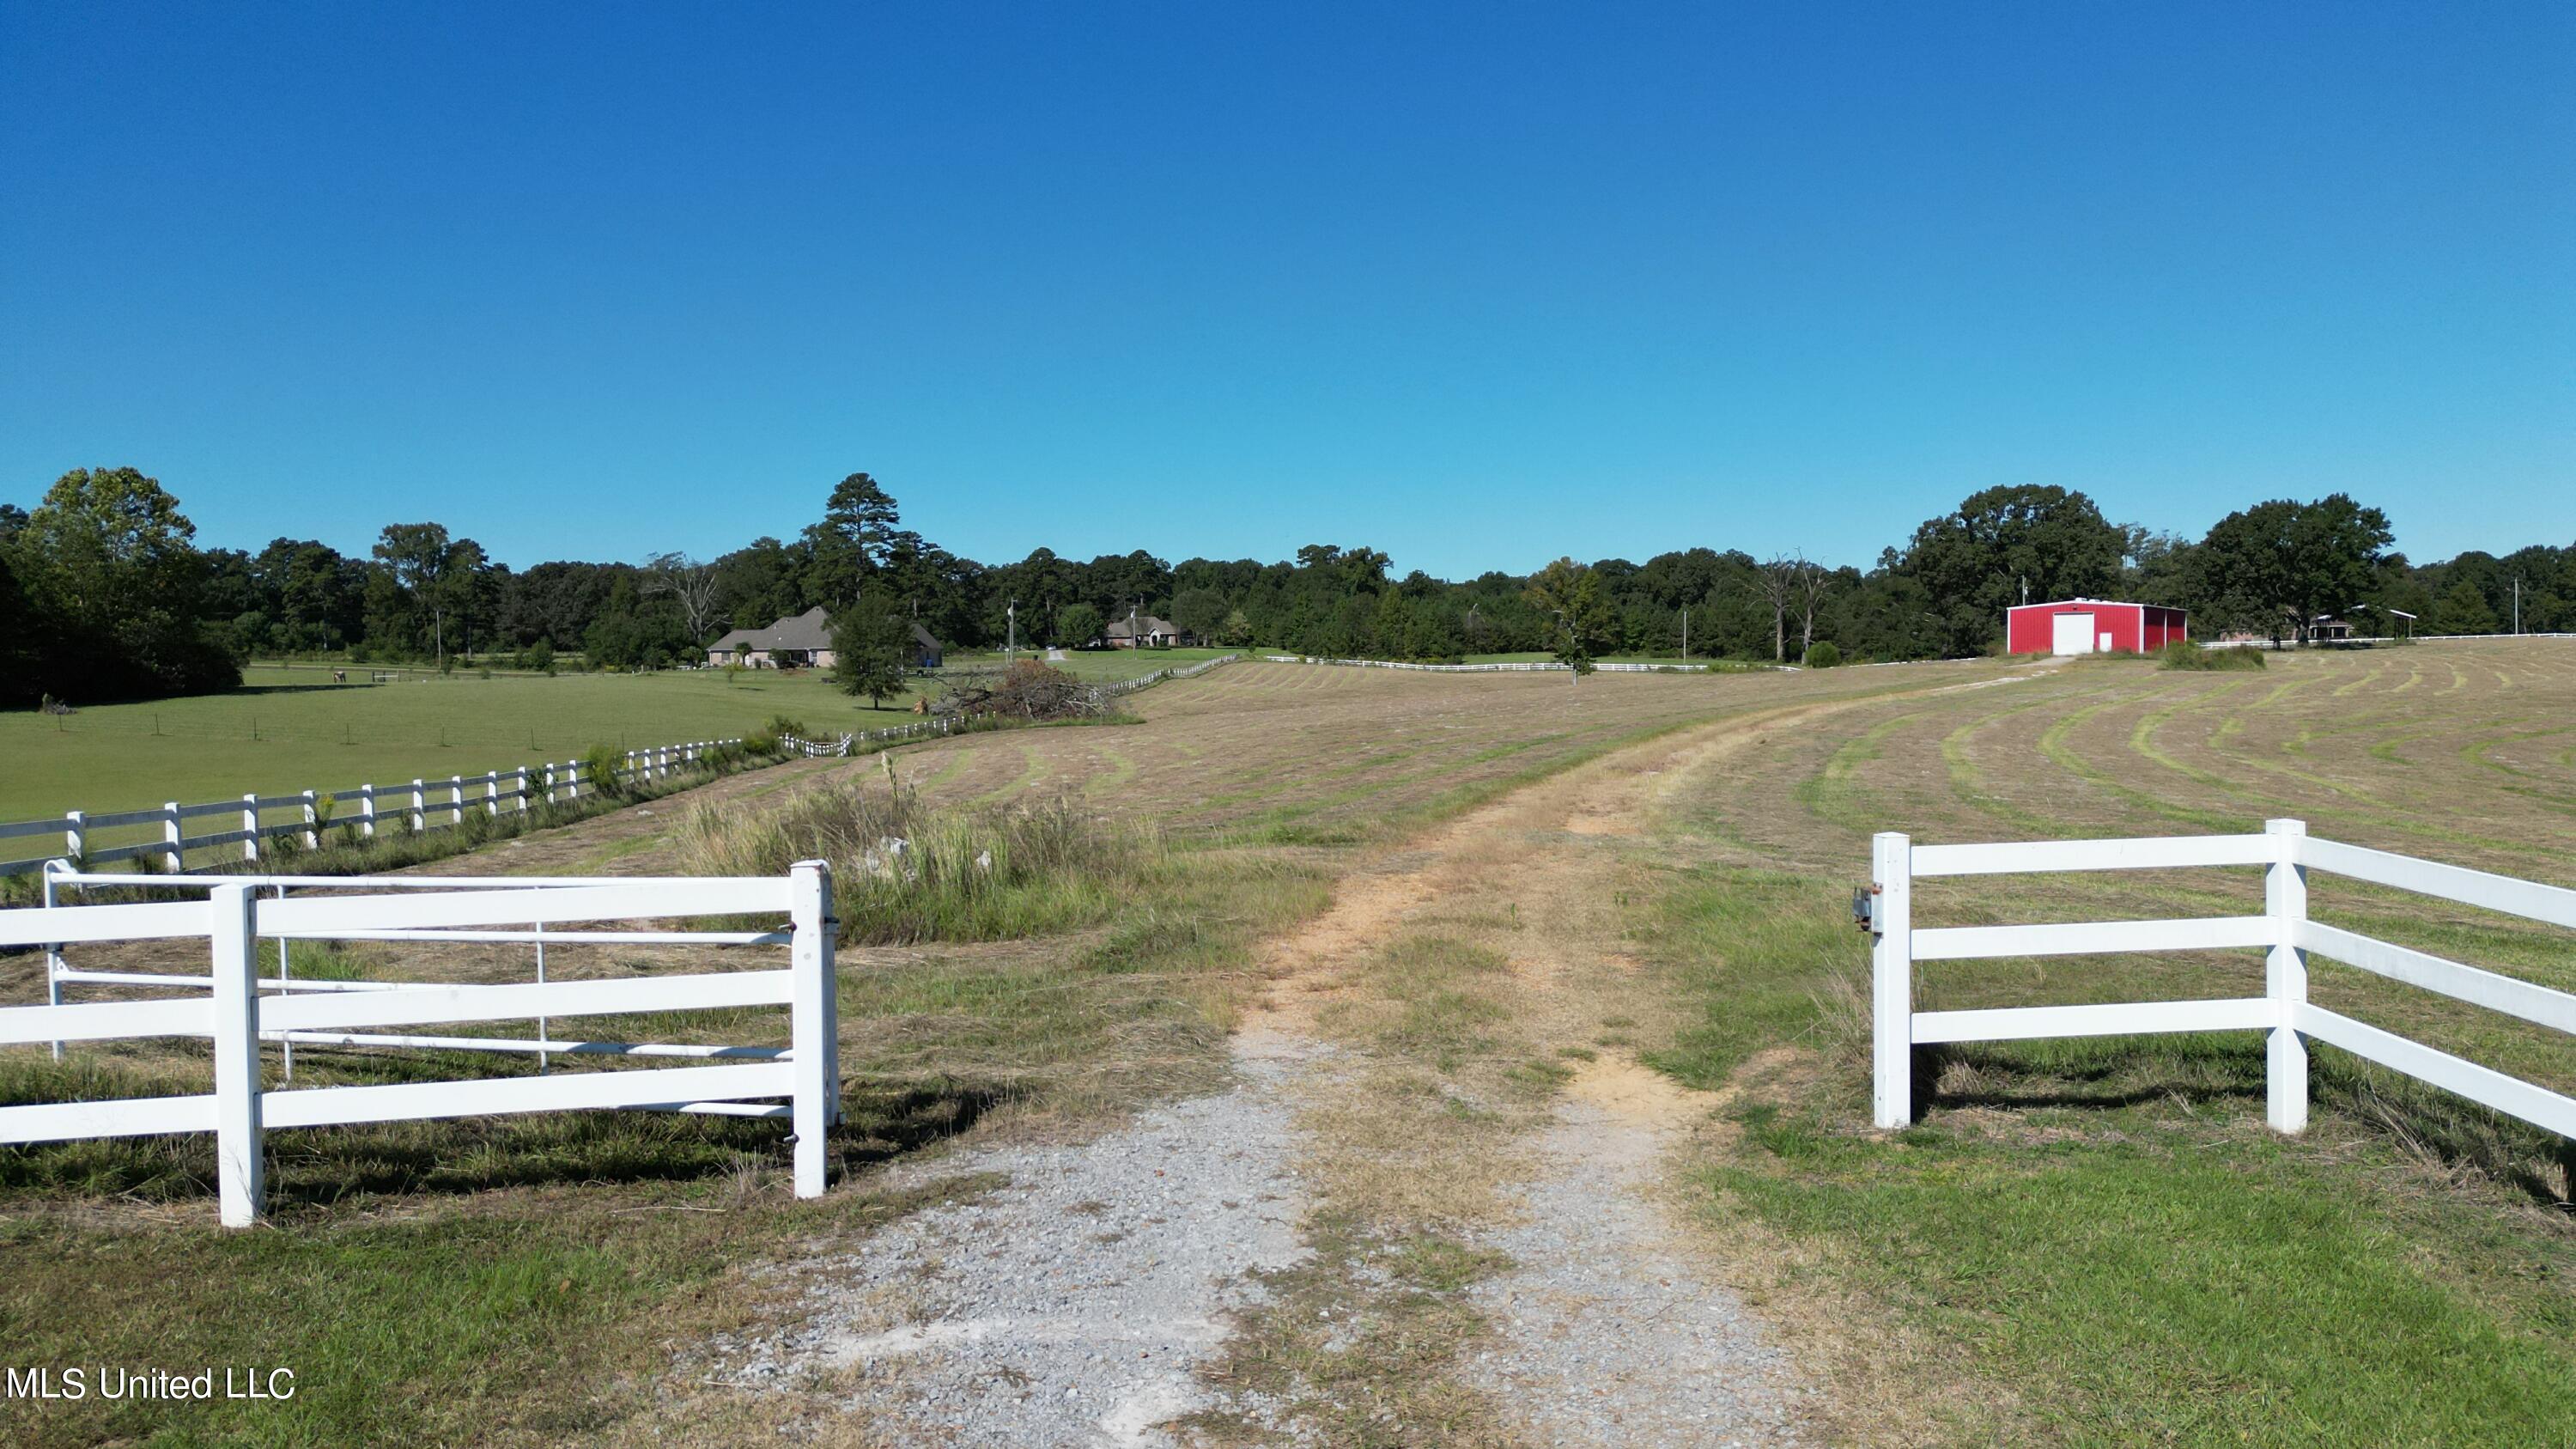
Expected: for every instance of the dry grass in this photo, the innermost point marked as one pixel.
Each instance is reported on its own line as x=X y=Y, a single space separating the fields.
x=2056 y=1188
x=1291 y=752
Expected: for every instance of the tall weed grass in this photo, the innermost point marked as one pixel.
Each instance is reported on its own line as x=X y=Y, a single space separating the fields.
x=2187 y=655
x=903 y=872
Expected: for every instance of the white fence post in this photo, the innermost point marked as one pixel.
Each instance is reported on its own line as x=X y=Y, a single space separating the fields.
x=238 y=1147
x=173 y=837
x=419 y=807
x=456 y=799
x=250 y=826
x=492 y=793
x=53 y=952
x=75 y=836
x=1891 y=979
x=367 y=811
x=312 y=821
x=519 y=792
x=2285 y=980
x=814 y=1024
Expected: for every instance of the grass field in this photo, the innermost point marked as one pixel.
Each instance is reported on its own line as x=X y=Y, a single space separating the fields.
x=291 y=729
x=441 y=1251
x=1099 y=666
x=2079 y=1243
x=1307 y=753
x=2103 y=1230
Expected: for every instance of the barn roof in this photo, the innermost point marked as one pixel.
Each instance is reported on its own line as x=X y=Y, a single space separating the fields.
x=2114 y=603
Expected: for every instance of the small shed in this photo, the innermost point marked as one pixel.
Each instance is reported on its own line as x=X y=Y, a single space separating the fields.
x=2092 y=626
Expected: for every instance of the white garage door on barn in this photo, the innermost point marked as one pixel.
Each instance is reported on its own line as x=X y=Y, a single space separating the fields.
x=2070 y=633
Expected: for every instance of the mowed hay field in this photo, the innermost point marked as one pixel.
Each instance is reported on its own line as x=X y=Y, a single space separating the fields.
x=1322 y=753
x=2099 y=1241
x=2458 y=753
x=2088 y=1243
x=520 y=1275
x=292 y=729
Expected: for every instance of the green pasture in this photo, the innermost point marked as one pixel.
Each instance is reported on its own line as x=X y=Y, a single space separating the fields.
x=1099 y=666
x=292 y=729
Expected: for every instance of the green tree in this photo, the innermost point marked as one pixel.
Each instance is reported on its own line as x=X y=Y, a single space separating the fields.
x=2281 y=564
x=115 y=590
x=1077 y=625
x=1199 y=611
x=1974 y=562
x=871 y=645
x=860 y=537
x=21 y=652
x=2462 y=610
x=420 y=557
x=1584 y=623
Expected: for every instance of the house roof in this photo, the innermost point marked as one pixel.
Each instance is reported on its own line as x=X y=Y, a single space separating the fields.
x=1145 y=624
x=810 y=631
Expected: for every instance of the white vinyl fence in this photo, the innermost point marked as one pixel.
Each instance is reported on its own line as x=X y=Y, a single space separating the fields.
x=423 y=805
x=1526 y=666
x=238 y=1009
x=2287 y=853
x=2371 y=639
x=843 y=744
x=1148 y=681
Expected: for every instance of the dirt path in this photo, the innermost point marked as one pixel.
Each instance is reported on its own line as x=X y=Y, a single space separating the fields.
x=1396 y=1228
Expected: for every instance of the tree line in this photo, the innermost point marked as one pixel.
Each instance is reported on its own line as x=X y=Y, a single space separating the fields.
x=106 y=595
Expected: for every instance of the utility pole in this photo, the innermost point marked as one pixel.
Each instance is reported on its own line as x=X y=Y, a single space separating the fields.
x=1132 y=641
x=2517 y=603
x=1013 y=647
x=2025 y=588
x=1686 y=635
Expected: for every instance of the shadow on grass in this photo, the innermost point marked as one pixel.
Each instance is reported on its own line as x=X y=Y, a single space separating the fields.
x=2193 y=1072
x=330 y=1166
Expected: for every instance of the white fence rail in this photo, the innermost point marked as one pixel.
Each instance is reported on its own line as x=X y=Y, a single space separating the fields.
x=2287 y=644
x=843 y=744
x=2287 y=853
x=421 y=806
x=1526 y=666
x=1148 y=681
x=228 y=1006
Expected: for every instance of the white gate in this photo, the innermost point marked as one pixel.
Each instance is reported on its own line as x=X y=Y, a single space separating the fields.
x=2283 y=1012
x=228 y=1007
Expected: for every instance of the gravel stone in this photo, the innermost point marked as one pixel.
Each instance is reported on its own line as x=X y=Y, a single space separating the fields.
x=1072 y=1306
x=1609 y=1335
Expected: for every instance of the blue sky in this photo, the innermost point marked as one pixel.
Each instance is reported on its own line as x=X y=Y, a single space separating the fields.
x=1475 y=284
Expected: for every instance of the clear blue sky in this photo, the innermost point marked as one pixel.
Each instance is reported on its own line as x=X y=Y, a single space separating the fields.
x=1475 y=284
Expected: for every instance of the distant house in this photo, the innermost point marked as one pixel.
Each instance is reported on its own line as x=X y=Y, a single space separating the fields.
x=802 y=641
x=1145 y=631
x=2327 y=626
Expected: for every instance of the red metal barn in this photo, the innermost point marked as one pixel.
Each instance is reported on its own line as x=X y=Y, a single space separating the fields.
x=2092 y=626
